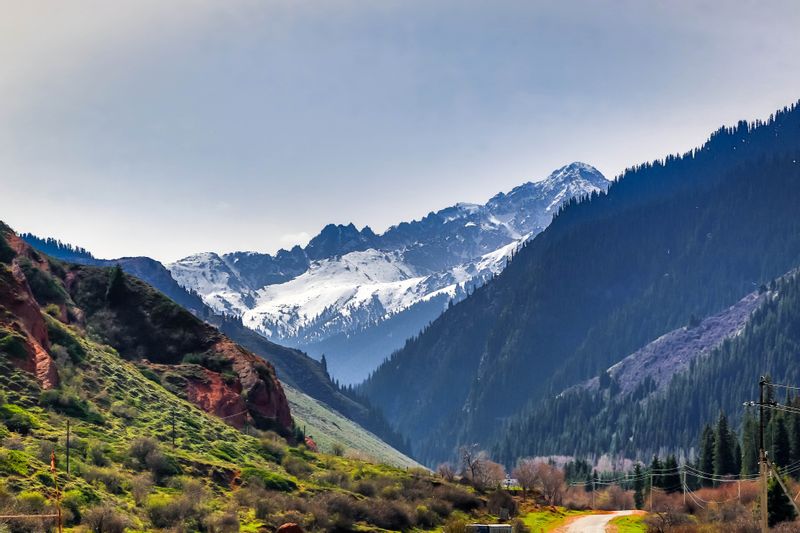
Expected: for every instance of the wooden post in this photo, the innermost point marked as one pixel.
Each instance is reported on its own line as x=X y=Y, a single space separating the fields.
x=762 y=464
x=57 y=492
x=67 y=447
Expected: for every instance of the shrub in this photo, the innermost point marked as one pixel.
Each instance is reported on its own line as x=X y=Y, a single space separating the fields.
x=518 y=526
x=110 y=477
x=389 y=515
x=426 y=518
x=455 y=525
x=461 y=500
x=336 y=478
x=499 y=500
x=366 y=488
x=141 y=485
x=17 y=418
x=96 y=453
x=161 y=466
x=296 y=467
x=271 y=450
x=68 y=403
x=13 y=462
x=267 y=480
x=105 y=519
x=227 y=522
x=31 y=502
x=337 y=449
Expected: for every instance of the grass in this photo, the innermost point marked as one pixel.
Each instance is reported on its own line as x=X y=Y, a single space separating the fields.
x=546 y=520
x=329 y=427
x=629 y=524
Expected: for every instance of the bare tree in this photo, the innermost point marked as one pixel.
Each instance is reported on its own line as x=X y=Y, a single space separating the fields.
x=480 y=471
x=551 y=480
x=527 y=474
x=492 y=475
x=471 y=460
x=446 y=471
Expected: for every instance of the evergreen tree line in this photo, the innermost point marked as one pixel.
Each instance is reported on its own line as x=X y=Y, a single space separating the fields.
x=590 y=422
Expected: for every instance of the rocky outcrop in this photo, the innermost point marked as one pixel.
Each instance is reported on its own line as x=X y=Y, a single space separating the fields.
x=23 y=324
x=266 y=400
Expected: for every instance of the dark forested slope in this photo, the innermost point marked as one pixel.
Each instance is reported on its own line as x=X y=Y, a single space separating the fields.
x=686 y=236
x=587 y=421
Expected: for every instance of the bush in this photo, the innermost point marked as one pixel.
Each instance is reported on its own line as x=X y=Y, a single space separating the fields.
x=296 y=467
x=366 y=488
x=146 y=453
x=499 y=500
x=388 y=515
x=455 y=525
x=13 y=462
x=105 y=519
x=271 y=450
x=267 y=480
x=337 y=449
x=161 y=466
x=17 y=419
x=96 y=454
x=426 y=518
x=461 y=500
x=110 y=477
x=141 y=485
x=68 y=403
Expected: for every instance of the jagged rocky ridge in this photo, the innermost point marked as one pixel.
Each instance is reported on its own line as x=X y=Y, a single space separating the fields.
x=356 y=296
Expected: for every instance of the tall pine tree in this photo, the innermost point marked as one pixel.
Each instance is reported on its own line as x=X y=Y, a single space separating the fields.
x=750 y=445
x=707 y=453
x=781 y=447
x=724 y=448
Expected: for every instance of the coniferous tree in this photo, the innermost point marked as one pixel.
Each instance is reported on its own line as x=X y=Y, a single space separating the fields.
x=794 y=432
x=115 y=292
x=780 y=509
x=638 y=486
x=724 y=449
x=672 y=476
x=707 y=453
x=655 y=472
x=749 y=445
x=781 y=447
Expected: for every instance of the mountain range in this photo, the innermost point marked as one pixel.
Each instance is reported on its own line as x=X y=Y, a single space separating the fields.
x=356 y=296
x=670 y=241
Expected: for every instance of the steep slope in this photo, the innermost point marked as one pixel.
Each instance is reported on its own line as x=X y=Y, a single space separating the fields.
x=327 y=297
x=130 y=453
x=718 y=368
x=607 y=276
x=292 y=366
x=41 y=297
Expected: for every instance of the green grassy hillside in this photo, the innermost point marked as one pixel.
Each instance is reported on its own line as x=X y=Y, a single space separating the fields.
x=330 y=429
x=125 y=469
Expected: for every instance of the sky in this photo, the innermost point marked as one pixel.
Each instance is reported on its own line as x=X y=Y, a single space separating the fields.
x=156 y=128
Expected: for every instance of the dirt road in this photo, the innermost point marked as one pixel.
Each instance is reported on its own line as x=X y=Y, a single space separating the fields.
x=595 y=523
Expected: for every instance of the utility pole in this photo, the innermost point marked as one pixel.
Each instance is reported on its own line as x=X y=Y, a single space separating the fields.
x=173 y=428
x=762 y=464
x=67 y=447
x=593 y=489
x=651 y=490
x=683 y=483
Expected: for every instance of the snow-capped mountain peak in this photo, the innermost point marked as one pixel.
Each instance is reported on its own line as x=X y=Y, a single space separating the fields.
x=346 y=282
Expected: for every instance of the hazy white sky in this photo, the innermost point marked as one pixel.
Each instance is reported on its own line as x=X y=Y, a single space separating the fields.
x=166 y=128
